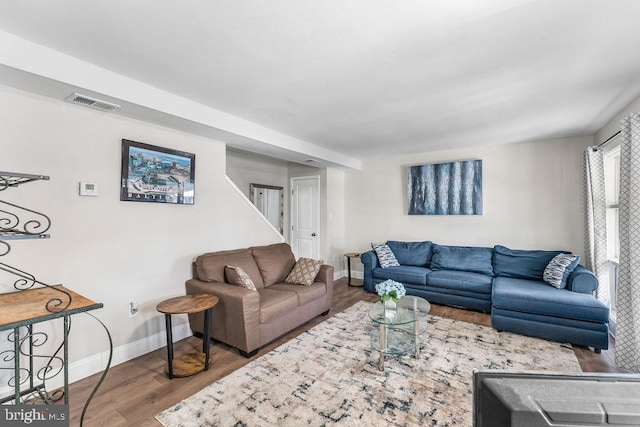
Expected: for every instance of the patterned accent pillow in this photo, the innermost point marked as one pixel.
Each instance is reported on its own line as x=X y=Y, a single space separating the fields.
x=559 y=268
x=385 y=255
x=304 y=272
x=237 y=276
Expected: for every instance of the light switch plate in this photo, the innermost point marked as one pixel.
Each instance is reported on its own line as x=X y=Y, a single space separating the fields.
x=88 y=189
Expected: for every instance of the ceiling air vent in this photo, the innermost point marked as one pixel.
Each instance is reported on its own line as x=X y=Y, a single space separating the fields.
x=92 y=102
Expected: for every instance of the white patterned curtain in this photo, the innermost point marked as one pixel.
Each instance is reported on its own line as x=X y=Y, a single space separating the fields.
x=628 y=289
x=596 y=221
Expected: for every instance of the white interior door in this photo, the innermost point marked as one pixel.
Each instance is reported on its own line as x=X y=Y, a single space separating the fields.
x=305 y=217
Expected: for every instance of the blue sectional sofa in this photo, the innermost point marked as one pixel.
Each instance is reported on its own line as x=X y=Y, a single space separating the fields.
x=505 y=282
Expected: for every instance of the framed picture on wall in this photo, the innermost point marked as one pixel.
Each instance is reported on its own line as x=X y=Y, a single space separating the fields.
x=157 y=174
x=452 y=188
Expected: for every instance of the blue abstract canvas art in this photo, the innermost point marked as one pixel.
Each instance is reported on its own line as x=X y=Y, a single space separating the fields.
x=453 y=188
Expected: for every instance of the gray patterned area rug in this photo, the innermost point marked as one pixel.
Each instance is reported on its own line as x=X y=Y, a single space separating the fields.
x=329 y=375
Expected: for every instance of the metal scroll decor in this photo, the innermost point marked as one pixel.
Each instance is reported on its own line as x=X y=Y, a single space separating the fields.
x=17 y=222
x=29 y=376
x=10 y=221
x=13 y=179
x=27 y=281
x=453 y=188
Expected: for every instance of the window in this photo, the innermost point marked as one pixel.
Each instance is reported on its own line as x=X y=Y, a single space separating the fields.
x=612 y=191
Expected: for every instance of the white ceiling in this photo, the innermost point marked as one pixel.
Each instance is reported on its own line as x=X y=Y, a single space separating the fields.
x=363 y=77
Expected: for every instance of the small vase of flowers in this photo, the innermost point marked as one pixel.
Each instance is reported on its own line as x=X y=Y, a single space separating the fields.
x=390 y=293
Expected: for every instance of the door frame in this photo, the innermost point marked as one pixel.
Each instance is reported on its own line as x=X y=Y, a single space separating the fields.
x=291 y=186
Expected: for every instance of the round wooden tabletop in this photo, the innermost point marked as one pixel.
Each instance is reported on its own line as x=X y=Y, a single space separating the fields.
x=352 y=254
x=187 y=304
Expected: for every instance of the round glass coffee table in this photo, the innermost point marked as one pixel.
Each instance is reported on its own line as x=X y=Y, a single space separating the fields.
x=400 y=329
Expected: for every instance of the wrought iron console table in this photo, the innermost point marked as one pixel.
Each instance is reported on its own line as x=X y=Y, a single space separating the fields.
x=34 y=302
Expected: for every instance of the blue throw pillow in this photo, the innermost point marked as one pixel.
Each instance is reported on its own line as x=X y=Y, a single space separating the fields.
x=462 y=258
x=521 y=264
x=385 y=255
x=417 y=254
x=559 y=268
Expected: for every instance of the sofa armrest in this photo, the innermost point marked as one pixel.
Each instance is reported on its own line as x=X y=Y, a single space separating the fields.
x=582 y=280
x=369 y=261
x=236 y=317
x=325 y=275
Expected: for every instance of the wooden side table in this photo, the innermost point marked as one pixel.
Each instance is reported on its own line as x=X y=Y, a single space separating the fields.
x=191 y=363
x=350 y=255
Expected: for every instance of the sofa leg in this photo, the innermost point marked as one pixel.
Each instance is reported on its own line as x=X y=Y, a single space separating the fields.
x=250 y=354
x=325 y=312
x=597 y=350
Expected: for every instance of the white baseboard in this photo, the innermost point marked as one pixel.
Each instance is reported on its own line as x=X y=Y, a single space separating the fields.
x=339 y=274
x=98 y=362
x=357 y=275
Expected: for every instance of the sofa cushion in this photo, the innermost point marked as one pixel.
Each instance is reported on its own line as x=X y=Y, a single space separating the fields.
x=403 y=274
x=521 y=264
x=237 y=276
x=462 y=258
x=559 y=268
x=537 y=297
x=304 y=272
x=462 y=280
x=305 y=294
x=411 y=253
x=274 y=262
x=385 y=255
x=276 y=303
x=210 y=266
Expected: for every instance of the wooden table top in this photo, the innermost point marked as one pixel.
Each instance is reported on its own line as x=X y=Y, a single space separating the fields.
x=30 y=306
x=352 y=254
x=187 y=304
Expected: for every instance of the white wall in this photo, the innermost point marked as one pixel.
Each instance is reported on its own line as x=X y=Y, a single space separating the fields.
x=245 y=168
x=532 y=199
x=111 y=251
x=335 y=220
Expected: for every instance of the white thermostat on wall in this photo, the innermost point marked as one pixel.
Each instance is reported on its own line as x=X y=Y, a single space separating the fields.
x=88 y=189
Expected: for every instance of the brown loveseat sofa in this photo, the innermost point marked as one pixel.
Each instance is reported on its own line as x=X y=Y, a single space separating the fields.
x=248 y=319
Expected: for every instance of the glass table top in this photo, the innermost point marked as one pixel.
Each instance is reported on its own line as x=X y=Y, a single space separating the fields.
x=410 y=309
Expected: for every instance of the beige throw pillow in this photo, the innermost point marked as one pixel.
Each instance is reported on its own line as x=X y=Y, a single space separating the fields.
x=237 y=276
x=304 y=272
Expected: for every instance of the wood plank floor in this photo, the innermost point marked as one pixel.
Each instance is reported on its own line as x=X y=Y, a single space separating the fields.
x=135 y=391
